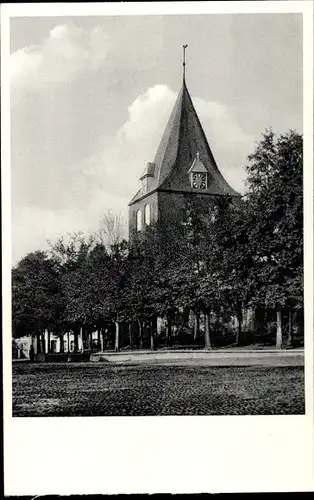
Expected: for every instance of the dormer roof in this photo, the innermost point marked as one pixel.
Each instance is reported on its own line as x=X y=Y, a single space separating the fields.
x=197 y=165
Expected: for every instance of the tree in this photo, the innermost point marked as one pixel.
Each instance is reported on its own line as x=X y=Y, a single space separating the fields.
x=72 y=255
x=138 y=296
x=275 y=204
x=219 y=255
x=111 y=231
x=233 y=258
x=37 y=301
x=116 y=280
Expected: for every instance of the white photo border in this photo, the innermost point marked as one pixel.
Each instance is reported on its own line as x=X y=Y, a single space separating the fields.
x=108 y=455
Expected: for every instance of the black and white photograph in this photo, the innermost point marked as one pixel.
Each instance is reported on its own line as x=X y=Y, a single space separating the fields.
x=157 y=241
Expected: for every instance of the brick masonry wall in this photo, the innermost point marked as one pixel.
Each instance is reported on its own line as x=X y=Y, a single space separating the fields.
x=167 y=207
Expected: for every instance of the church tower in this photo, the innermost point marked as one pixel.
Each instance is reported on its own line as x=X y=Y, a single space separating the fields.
x=183 y=166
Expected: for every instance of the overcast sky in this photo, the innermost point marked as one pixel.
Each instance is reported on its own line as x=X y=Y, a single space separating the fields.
x=91 y=96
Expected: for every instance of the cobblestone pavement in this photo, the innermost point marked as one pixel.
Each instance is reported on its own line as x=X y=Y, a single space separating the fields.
x=98 y=389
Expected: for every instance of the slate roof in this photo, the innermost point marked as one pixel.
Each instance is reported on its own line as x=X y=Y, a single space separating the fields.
x=183 y=138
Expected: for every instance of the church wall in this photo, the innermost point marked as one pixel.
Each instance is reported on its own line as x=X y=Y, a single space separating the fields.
x=152 y=200
x=168 y=208
x=172 y=206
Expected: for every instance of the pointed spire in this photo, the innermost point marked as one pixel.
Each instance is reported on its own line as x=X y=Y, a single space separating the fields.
x=184 y=63
x=182 y=143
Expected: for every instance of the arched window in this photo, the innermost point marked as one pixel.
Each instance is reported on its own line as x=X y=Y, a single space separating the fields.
x=147 y=215
x=139 y=220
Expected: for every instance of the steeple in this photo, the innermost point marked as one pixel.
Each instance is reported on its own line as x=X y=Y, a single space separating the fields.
x=182 y=141
x=184 y=63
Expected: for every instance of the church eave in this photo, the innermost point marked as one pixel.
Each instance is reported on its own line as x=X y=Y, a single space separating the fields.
x=142 y=197
x=193 y=192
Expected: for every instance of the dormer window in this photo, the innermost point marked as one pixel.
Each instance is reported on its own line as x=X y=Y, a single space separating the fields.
x=147 y=177
x=198 y=174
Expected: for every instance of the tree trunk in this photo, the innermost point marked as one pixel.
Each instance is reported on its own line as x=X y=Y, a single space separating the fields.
x=239 y=338
x=117 y=336
x=98 y=339
x=186 y=317
x=34 y=344
x=259 y=322
x=39 y=346
x=45 y=340
x=82 y=340
x=37 y=351
x=44 y=337
x=279 y=329
x=130 y=335
x=169 y=330
x=196 y=325
x=61 y=341
x=290 y=332
x=42 y=342
x=49 y=341
x=76 y=339
x=154 y=326
x=32 y=348
x=101 y=340
x=69 y=339
x=140 y=332
x=151 y=335
x=207 y=331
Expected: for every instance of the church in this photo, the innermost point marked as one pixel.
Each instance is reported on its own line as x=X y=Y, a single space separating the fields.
x=184 y=165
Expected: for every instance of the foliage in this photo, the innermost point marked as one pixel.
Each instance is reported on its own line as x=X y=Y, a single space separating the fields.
x=37 y=300
x=221 y=254
x=275 y=210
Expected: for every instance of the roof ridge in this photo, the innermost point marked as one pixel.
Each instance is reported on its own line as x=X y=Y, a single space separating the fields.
x=164 y=144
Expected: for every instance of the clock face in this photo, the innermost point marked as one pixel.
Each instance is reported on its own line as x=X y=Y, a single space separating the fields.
x=199 y=180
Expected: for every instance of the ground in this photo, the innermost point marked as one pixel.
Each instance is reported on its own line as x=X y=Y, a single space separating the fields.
x=101 y=389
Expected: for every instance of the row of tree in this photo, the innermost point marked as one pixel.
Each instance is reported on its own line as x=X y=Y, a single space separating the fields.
x=215 y=259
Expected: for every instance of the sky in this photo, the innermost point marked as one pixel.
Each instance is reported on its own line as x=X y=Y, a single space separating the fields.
x=90 y=98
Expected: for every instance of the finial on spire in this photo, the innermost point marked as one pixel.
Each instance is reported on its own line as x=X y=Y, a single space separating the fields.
x=197 y=155
x=184 y=63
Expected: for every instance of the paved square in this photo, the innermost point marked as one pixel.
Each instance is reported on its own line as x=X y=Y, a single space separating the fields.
x=99 y=389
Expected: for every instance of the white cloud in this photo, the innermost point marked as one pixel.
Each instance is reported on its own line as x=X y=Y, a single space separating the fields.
x=65 y=53
x=109 y=179
x=230 y=144
x=136 y=142
x=34 y=226
x=220 y=119
x=71 y=161
x=116 y=169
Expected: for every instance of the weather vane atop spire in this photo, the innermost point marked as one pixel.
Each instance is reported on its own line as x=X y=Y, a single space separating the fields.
x=184 y=63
